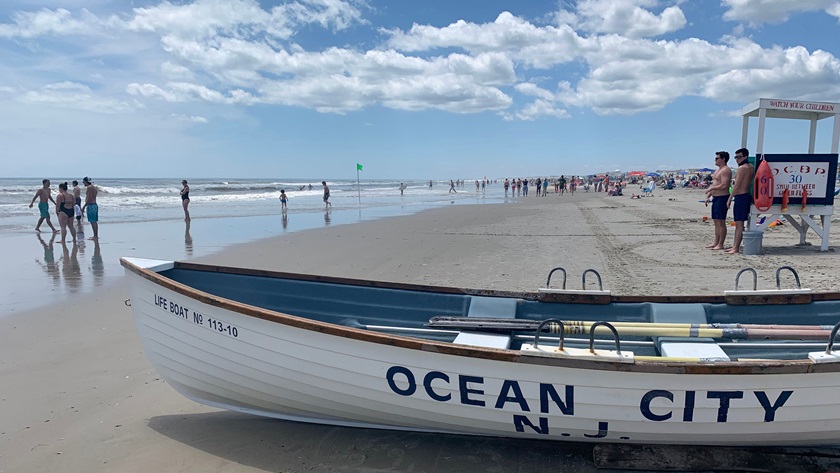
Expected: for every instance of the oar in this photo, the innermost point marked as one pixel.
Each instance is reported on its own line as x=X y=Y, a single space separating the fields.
x=635 y=330
x=455 y=322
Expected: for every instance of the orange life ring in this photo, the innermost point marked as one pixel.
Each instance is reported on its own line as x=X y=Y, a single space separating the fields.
x=763 y=187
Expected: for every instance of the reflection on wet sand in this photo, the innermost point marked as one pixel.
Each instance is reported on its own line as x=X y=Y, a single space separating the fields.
x=284 y=219
x=326 y=217
x=97 y=267
x=70 y=267
x=49 y=265
x=188 y=241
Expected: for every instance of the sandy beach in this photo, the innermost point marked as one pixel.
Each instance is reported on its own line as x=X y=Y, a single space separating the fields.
x=78 y=394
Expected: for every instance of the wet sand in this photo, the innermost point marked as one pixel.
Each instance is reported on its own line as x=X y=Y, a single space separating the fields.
x=78 y=394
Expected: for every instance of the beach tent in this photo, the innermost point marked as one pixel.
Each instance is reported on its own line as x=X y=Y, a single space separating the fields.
x=705 y=170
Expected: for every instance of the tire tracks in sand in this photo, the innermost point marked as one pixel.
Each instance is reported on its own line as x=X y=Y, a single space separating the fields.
x=614 y=258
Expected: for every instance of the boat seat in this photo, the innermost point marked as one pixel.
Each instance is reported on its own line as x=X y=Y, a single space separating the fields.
x=685 y=347
x=483 y=339
x=496 y=307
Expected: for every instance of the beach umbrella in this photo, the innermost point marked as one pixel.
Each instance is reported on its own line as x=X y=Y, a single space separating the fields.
x=653 y=174
x=705 y=170
x=683 y=172
x=636 y=173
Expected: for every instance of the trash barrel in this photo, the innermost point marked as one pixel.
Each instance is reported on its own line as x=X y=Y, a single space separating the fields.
x=752 y=243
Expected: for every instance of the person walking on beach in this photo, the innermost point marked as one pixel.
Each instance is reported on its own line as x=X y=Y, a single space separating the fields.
x=402 y=187
x=44 y=198
x=92 y=207
x=283 y=199
x=718 y=193
x=64 y=203
x=544 y=186
x=77 y=199
x=326 y=194
x=741 y=197
x=185 y=199
x=452 y=186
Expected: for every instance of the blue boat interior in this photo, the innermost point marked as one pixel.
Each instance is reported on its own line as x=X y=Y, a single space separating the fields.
x=406 y=312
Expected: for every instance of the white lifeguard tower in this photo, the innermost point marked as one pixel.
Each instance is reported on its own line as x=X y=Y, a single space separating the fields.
x=791 y=168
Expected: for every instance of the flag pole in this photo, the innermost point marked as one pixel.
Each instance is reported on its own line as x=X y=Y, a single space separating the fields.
x=358 y=185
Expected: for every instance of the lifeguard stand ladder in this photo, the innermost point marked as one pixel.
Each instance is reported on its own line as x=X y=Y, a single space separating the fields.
x=800 y=110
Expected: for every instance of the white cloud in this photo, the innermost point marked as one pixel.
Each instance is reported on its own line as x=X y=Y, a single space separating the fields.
x=773 y=11
x=538 y=109
x=630 y=18
x=241 y=18
x=235 y=53
x=46 y=22
x=74 y=95
x=176 y=71
x=795 y=73
x=534 y=90
x=185 y=91
x=188 y=118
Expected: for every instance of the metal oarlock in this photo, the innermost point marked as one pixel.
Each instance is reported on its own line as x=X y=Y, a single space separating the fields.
x=548 y=281
x=755 y=278
x=612 y=329
x=561 y=332
x=597 y=275
x=795 y=276
x=831 y=338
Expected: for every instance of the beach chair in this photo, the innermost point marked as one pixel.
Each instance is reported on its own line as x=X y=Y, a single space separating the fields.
x=649 y=189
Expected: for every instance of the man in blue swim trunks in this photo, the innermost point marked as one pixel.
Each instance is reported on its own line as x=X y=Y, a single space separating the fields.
x=92 y=207
x=43 y=205
x=718 y=194
x=741 y=197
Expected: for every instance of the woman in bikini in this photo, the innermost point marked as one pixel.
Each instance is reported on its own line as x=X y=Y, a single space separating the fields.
x=64 y=203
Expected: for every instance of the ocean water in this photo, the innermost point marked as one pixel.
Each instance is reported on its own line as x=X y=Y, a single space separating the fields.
x=144 y=218
x=140 y=200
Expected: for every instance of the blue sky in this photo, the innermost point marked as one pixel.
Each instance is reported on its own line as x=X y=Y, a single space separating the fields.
x=431 y=89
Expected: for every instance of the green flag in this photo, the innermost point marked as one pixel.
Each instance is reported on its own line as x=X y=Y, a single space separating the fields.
x=359 y=167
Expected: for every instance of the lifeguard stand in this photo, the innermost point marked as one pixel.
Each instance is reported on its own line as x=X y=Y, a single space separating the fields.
x=824 y=206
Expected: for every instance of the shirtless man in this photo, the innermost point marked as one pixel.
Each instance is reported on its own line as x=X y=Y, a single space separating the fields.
x=718 y=194
x=326 y=195
x=43 y=205
x=92 y=207
x=741 y=197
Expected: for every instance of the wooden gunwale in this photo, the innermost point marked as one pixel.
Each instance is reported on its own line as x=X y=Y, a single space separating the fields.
x=665 y=367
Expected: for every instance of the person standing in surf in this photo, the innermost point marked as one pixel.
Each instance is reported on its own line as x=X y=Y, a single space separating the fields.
x=43 y=205
x=326 y=195
x=92 y=207
x=77 y=199
x=64 y=204
x=185 y=199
